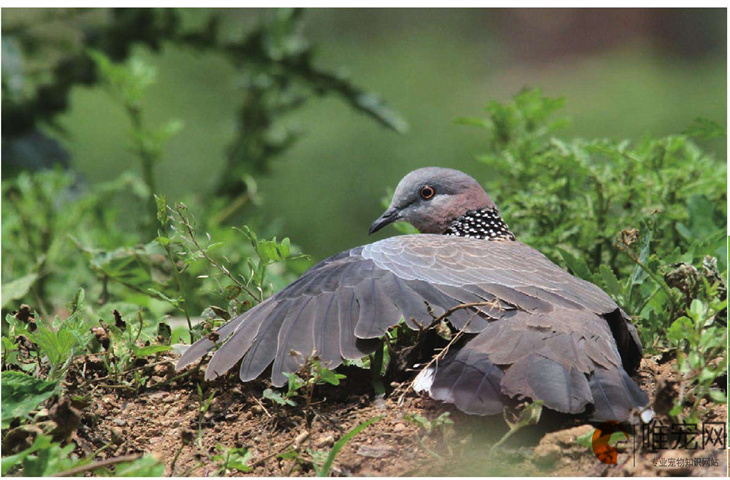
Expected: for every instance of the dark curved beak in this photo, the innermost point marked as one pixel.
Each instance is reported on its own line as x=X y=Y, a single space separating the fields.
x=388 y=217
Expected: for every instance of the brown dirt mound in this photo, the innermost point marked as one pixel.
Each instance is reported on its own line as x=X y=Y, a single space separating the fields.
x=168 y=422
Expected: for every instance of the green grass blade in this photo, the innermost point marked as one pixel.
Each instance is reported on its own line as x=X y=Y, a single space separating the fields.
x=324 y=471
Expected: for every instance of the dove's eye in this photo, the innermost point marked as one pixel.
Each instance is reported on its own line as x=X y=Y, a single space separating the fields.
x=427 y=192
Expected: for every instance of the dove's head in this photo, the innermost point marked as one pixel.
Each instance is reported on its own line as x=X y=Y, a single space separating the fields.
x=431 y=198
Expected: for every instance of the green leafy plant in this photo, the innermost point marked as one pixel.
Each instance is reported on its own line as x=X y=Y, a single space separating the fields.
x=701 y=343
x=46 y=457
x=580 y=194
x=22 y=394
x=442 y=422
x=43 y=458
x=280 y=398
x=36 y=212
x=54 y=344
x=124 y=343
x=145 y=466
x=232 y=459
x=303 y=382
x=528 y=415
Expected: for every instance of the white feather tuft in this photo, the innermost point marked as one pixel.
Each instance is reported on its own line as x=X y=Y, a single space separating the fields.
x=424 y=380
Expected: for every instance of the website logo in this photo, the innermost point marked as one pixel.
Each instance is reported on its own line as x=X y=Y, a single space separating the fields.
x=600 y=443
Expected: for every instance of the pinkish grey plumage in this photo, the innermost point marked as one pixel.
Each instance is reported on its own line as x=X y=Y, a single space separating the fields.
x=546 y=336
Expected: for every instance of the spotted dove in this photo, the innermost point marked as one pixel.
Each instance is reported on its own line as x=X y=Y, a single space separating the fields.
x=537 y=333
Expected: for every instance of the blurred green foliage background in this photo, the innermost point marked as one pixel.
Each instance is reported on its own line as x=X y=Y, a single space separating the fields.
x=625 y=74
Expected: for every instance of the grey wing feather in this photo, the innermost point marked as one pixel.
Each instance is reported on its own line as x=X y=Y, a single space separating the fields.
x=352 y=347
x=204 y=345
x=413 y=307
x=263 y=349
x=561 y=387
x=243 y=338
x=327 y=331
x=377 y=311
x=615 y=394
x=470 y=381
x=295 y=341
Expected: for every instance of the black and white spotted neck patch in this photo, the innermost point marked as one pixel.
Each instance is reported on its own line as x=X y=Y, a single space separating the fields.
x=485 y=224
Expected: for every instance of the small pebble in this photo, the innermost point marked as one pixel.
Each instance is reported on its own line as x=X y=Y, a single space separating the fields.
x=300 y=438
x=376 y=452
x=117 y=435
x=325 y=441
x=158 y=396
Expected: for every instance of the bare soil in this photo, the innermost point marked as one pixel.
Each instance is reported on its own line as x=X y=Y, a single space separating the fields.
x=285 y=441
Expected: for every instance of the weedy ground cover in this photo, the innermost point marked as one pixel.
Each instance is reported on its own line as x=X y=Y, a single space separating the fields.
x=92 y=275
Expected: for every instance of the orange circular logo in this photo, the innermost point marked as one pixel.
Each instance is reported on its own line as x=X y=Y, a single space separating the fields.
x=600 y=441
